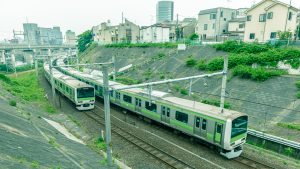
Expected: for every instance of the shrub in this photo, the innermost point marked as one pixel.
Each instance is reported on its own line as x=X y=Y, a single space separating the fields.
x=201 y=64
x=298 y=84
x=142 y=45
x=215 y=103
x=298 y=95
x=241 y=47
x=183 y=91
x=5 y=79
x=259 y=74
x=13 y=103
x=191 y=62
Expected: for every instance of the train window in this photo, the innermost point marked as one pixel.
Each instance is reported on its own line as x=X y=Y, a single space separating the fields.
x=204 y=122
x=118 y=96
x=181 y=117
x=219 y=128
x=60 y=85
x=197 y=122
x=127 y=98
x=151 y=106
x=138 y=102
x=168 y=112
x=111 y=93
x=96 y=88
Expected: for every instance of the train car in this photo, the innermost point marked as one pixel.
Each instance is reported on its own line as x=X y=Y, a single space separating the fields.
x=80 y=93
x=226 y=130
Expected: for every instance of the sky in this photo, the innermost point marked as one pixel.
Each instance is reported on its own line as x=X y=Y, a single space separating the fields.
x=80 y=15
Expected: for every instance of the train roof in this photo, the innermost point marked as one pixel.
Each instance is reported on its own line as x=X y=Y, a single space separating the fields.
x=66 y=79
x=205 y=109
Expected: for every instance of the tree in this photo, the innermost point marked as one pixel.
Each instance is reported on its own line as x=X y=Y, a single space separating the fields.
x=284 y=35
x=194 y=36
x=84 y=40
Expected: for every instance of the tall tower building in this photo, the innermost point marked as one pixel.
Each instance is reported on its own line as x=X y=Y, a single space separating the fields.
x=164 y=11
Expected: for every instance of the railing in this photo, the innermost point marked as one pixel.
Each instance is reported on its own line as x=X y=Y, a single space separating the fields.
x=26 y=46
x=274 y=139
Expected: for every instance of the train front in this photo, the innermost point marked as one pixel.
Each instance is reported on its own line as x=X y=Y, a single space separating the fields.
x=85 y=98
x=236 y=133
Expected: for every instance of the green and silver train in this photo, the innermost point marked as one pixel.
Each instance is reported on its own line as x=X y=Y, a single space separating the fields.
x=225 y=130
x=80 y=93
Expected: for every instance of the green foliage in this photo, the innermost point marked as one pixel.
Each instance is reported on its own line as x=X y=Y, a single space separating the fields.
x=161 y=55
x=84 y=40
x=26 y=87
x=298 y=95
x=284 y=35
x=142 y=45
x=35 y=164
x=242 y=47
x=289 y=126
x=298 y=84
x=288 y=151
x=13 y=103
x=191 y=62
x=184 y=91
x=194 y=36
x=257 y=74
x=18 y=69
x=100 y=144
x=215 y=103
x=127 y=80
x=201 y=64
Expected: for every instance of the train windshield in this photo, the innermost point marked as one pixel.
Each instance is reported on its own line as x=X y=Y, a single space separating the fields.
x=239 y=126
x=85 y=92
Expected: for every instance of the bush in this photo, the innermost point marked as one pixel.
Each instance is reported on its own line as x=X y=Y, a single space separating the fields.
x=215 y=103
x=259 y=74
x=13 y=103
x=142 y=45
x=242 y=47
x=184 y=91
x=5 y=79
x=191 y=62
x=201 y=64
x=298 y=84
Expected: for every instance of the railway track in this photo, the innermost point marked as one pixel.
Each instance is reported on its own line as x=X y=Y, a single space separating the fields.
x=159 y=154
x=252 y=163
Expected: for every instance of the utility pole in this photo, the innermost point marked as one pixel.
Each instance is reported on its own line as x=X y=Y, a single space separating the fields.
x=177 y=29
x=224 y=81
x=51 y=77
x=35 y=63
x=114 y=67
x=107 y=114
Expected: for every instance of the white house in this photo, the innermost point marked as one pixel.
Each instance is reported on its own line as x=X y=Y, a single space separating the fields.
x=156 y=33
x=268 y=17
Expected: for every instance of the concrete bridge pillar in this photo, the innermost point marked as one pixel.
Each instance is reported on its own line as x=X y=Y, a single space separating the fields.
x=28 y=57
x=13 y=58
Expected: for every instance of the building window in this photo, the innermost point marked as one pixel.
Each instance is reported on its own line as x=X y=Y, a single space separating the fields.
x=290 y=16
x=212 y=16
x=221 y=15
x=127 y=99
x=270 y=15
x=213 y=26
x=225 y=19
x=205 y=26
x=151 y=107
x=182 y=117
x=249 y=17
x=273 y=35
x=262 y=18
x=252 y=36
x=241 y=26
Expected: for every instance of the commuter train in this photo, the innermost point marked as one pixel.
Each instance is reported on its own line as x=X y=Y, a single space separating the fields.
x=225 y=130
x=80 y=93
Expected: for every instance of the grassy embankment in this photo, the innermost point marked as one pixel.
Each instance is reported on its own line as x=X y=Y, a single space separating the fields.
x=243 y=55
x=27 y=88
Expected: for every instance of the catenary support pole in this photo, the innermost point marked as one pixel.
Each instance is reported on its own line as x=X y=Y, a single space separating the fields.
x=107 y=114
x=114 y=67
x=224 y=81
x=77 y=61
x=190 y=87
x=51 y=77
x=35 y=63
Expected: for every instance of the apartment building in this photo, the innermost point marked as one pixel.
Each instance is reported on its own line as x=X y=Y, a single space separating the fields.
x=267 y=17
x=156 y=33
x=71 y=37
x=126 y=32
x=213 y=23
x=236 y=28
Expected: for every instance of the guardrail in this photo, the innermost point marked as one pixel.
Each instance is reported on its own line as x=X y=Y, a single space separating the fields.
x=23 y=46
x=275 y=139
x=277 y=144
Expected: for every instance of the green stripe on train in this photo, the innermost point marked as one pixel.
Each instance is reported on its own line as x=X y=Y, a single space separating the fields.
x=88 y=98
x=180 y=125
x=151 y=114
x=237 y=137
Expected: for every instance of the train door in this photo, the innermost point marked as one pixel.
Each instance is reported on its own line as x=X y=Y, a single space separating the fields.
x=218 y=132
x=118 y=98
x=203 y=132
x=165 y=114
x=197 y=126
x=138 y=104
